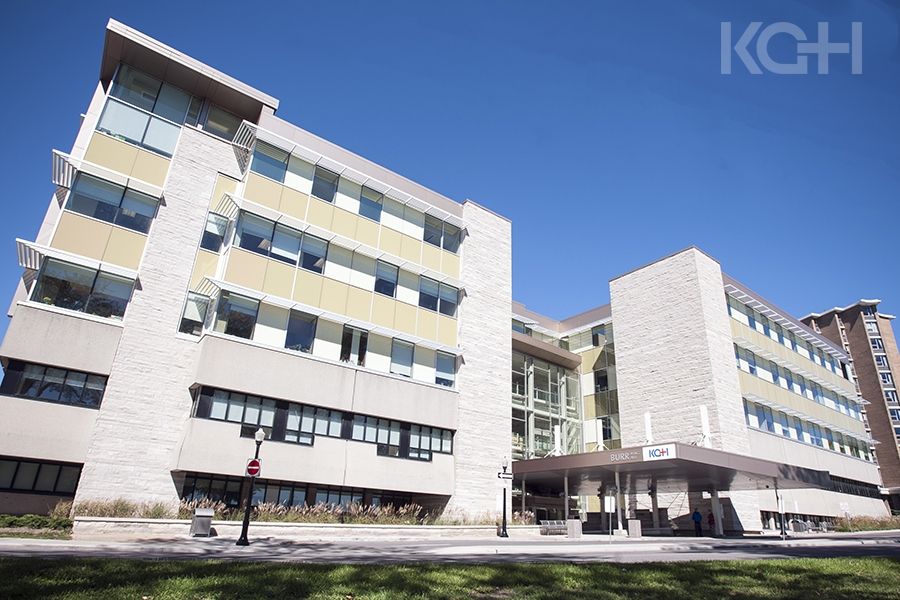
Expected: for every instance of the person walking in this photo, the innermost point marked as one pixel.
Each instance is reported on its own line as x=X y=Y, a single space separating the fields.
x=697 y=518
x=711 y=521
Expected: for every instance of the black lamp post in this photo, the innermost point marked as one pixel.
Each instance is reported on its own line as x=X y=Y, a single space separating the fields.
x=503 y=532
x=259 y=436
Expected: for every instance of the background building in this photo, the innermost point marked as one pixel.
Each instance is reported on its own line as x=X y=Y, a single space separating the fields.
x=868 y=338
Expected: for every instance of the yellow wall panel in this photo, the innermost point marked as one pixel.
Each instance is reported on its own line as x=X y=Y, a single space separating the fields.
x=446 y=330
x=204 y=266
x=334 y=296
x=308 y=287
x=359 y=303
x=246 y=268
x=111 y=153
x=426 y=326
x=431 y=257
x=411 y=249
x=344 y=223
x=450 y=264
x=150 y=167
x=263 y=191
x=293 y=203
x=390 y=241
x=383 y=310
x=367 y=232
x=125 y=248
x=80 y=235
x=405 y=317
x=279 y=279
x=320 y=213
x=224 y=185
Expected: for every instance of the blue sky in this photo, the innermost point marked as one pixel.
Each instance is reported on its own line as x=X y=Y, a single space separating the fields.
x=603 y=130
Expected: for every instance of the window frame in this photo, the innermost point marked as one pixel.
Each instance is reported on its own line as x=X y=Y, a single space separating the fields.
x=398 y=343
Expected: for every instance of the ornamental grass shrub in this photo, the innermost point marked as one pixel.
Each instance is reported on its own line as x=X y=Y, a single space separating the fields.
x=867 y=523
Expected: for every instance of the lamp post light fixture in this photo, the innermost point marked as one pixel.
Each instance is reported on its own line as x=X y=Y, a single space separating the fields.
x=259 y=436
x=503 y=477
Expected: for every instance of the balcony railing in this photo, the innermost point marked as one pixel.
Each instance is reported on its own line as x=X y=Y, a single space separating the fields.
x=137 y=126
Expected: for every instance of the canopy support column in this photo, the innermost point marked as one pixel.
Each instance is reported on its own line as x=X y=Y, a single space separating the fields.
x=717 y=514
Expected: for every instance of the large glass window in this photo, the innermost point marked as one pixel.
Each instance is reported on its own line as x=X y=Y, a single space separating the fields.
x=433 y=230
x=38 y=382
x=312 y=253
x=285 y=244
x=428 y=293
x=370 y=204
x=442 y=234
x=423 y=441
x=301 y=332
x=112 y=203
x=221 y=123
x=38 y=477
x=83 y=289
x=324 y=184
x=269 y=161
x=196 y=307
x=255 y=233
x=353 y=345
x=445 y=369
x=386 y=279
x=236 y=315
x=214 y=234
x=401 y=358
x=449 y=297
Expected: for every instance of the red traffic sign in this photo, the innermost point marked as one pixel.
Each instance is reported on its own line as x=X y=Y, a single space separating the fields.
x=253 y=467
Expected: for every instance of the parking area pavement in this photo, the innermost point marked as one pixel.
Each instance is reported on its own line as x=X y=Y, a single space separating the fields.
x=586 y=549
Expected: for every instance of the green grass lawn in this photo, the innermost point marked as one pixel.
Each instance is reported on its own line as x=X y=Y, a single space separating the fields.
x=805 y=579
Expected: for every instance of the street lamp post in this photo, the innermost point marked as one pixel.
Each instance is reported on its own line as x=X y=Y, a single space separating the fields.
x=259 y=436
x=505 y=465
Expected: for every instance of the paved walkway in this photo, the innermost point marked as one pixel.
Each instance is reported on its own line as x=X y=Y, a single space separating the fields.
x=587 y=549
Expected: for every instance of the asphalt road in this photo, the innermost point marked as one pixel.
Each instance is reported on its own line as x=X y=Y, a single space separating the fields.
x=588 y=549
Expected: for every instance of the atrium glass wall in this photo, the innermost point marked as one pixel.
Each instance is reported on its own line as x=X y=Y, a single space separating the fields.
x=603 y=403
x=546 y=409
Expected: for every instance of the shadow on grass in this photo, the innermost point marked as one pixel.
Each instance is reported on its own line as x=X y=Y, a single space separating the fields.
x=871 y=578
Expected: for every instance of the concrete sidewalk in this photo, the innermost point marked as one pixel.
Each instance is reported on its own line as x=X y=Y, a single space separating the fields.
x=588 y=549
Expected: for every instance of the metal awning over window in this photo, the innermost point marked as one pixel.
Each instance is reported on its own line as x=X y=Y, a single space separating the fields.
x=31 y=255
x=211 y=286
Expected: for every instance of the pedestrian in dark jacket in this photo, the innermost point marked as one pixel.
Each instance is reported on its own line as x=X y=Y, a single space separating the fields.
x=697 y=518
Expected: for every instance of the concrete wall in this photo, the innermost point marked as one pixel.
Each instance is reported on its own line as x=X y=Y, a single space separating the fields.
x=44 y=430
x=484 y=437
x=674 y=354
x=147 y=394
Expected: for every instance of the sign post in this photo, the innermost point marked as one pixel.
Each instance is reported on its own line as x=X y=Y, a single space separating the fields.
x=503 y=476
x=254 y=468
x=609 y=507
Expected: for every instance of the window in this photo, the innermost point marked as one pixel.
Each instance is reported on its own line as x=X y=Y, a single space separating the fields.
x=445 y=369
x=890 y=396
x=401 y=358
x=519 y=327
x=881 y=360
x=37 y=382
x=877 y=344
x=112 y=203
x=210 y=487
x=452 y=238
x=236 y=315
x=601 y=380
x=383 y=432
x=386 y=279
x=255 y=233
x=370 y=204
x=886 y=378
x=194 y=315
x=285 y=244
x=428 y=294
x=214 y=234
x=82 y=289
x=773 y=369
x=423 y=441
x=441 y=234
x=269 y=161
x=38 y=477
x=598 y=335
x=765 y=418
x=221 y=123
x=449 y=298
x=353 y=345
x=324 y=184
x=338 y=496
x=872 y=327
x=301 y=332
x=895 y=414
x=312 y=253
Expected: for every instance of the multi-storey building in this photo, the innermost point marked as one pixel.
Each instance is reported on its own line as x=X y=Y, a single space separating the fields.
x=206 y=269
x=868 y=338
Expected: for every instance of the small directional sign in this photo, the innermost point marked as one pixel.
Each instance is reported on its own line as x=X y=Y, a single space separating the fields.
x=505 y=475
x=253 y=467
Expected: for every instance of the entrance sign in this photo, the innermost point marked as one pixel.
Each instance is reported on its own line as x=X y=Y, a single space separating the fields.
x=663 y=452
x=254 y=467
x=609 y=504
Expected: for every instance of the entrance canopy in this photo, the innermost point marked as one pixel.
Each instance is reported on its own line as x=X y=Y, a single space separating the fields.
x=672 y=467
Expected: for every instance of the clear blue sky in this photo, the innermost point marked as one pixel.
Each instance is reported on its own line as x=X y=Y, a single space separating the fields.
x=603 y=130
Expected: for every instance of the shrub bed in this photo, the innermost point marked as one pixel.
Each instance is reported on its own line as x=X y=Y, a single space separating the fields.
x=867 y=524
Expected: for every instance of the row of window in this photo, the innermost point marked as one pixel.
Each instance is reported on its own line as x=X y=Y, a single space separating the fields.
x=769 y=371
x=856 y=488
x=309 y=252
x=272 y=162
x=82 y=289
x=774 y=331
x=107 y=201
x=237 y=315
x=219 y=488
x=296 y=423
x=38 y=477
x=51 y=384
x=147 y=112
x=764 y=418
